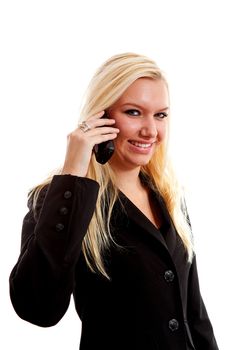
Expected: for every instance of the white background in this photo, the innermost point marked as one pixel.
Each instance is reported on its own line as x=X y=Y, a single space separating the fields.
x=49 y=51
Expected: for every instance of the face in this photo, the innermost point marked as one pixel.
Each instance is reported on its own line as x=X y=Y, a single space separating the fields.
x=141 y=115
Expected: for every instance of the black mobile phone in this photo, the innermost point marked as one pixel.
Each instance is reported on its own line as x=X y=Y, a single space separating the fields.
x=104 y=150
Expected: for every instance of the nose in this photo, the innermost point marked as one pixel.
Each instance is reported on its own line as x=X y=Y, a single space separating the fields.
x=149 y=127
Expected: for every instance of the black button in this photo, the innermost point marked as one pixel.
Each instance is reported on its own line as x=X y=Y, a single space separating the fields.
x=67 y=194
x=63 y=211
x=173 y=325
x=169 y=276
x=59 y=227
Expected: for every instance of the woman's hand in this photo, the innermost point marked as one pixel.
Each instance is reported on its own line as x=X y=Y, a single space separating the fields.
x=80 y=144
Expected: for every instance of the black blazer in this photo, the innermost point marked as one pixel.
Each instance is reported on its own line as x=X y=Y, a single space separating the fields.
x=153 y=299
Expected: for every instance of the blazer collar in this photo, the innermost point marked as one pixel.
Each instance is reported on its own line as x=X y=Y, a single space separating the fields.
x=167 y=233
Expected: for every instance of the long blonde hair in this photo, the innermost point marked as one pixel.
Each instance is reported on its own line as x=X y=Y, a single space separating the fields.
x=107 y=85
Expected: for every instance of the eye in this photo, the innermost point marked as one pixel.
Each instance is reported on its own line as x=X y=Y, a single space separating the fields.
x=161 y=115
x=133 y=112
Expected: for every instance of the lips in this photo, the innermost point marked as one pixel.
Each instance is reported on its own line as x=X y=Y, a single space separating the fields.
x=141 y=144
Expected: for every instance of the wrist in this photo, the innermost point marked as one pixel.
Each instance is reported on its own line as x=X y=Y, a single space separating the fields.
x=72 y=171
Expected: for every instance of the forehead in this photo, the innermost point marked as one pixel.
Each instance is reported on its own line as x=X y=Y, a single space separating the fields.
x=146 y=91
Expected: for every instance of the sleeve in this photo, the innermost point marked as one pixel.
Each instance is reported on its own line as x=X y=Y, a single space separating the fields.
x=42 y=281
x=199 y=322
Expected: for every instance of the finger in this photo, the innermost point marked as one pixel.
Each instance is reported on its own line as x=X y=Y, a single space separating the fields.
x=96 y=116
x=97 y=120
x=96 y=130
x=101 y=122
x=104 y=138
x=95 y=123
x=103 y=131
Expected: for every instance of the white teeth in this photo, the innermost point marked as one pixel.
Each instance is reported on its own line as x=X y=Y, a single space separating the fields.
x=143 y=145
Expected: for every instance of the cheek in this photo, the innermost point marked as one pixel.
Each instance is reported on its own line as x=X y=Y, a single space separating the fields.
x=162 y=131
x=127 y=129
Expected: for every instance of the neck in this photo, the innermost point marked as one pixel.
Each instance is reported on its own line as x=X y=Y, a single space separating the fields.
x=127 y=180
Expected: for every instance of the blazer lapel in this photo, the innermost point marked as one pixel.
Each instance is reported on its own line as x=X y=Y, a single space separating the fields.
x=166 y=235
x=140 y=219
x=168 y=230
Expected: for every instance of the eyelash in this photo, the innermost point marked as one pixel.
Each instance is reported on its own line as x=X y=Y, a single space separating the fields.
x=160 y=115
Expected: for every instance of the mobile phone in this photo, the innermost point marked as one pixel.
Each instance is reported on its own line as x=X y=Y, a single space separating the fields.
x=104 y=150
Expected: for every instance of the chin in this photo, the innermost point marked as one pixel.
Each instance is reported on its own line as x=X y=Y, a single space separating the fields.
x=129 y=161
x=138 y=163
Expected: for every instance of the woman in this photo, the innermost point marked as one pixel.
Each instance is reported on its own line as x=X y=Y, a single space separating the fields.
x=115 y=235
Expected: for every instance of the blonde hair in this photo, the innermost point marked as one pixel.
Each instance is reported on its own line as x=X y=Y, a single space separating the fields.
x=107 y=85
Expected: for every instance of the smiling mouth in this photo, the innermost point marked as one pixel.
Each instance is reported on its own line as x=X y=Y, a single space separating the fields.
x=141 y=145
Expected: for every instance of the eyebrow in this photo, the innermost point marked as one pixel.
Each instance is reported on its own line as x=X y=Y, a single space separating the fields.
x=138 y=106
